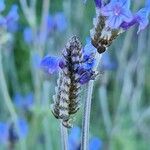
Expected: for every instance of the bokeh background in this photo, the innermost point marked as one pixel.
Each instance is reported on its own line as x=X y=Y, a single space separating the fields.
x=120 y=115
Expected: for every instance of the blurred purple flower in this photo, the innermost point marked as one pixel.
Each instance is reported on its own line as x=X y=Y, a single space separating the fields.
x=60 y=21
x=2 y=5
x=50 y=23
x=12 y=18
x=86 y=70
x=74 y=138
x=27 y=35
x=147 y=4
x=24 y=102
x=117 y=12
x=141 y=18
x=3 y=132
x=75 y=144
x=50 y=64
x=56 y=22
x=89 y=55
x=8 y=132
x=95 y=144
x=98 y=3
x=22 y=129
x=107 y=63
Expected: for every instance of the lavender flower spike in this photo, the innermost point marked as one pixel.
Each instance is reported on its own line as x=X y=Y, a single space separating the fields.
x=66 y=100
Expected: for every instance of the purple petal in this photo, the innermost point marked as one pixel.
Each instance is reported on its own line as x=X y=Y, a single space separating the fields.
x=107 y=10
x=125 y=3
x=142 y=18
x=114 y=22
x=50 y=64
x=95 y=144
x=98 y=3
x=126 y=15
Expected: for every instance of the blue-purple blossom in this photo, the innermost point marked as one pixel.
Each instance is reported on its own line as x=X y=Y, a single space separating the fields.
x=22 y=127
x=98 y=3
x=75 y=143
x=141 y=18
x=85 y=75
x=147 y=4
x=85 y=71
x=28 y=35
x=95 y=144
x=50 y=64
x=50 y=23
x=60 y=21
x=12 y=18
x=74 y=138
x=89 y=52
x=24 y=102
x=3 y=132
x=107 y=63
x=56 y=22
x=2 y=5
x=8 y=133
x=117 y=11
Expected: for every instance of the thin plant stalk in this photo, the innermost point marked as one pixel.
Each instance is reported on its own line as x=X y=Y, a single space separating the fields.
x=8 y=101
x=64 y=137
x=104 y=108
x=87 y=110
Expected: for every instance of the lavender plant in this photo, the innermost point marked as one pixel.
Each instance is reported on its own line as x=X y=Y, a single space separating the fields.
x=117 y=102
x=112 y=19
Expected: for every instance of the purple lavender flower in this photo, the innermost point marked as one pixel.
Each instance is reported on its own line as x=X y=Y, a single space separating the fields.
x=107 y=62
x=60 y=21
x=98 y=3
x=141 y=18
x=27 y=35
x=3 y=132
x=117 y=12
x=12 y=18
x=147 y=4
x=50 y=23
x=50 y=64
x=95 y=144
x=22 y=129
x=2 y=5
x=24 y=102
x=89 y=52
x=74 y=138
x=8 y=132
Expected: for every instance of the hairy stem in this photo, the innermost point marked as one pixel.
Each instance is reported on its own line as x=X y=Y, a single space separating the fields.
x=64 y=137
x=87 y=110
